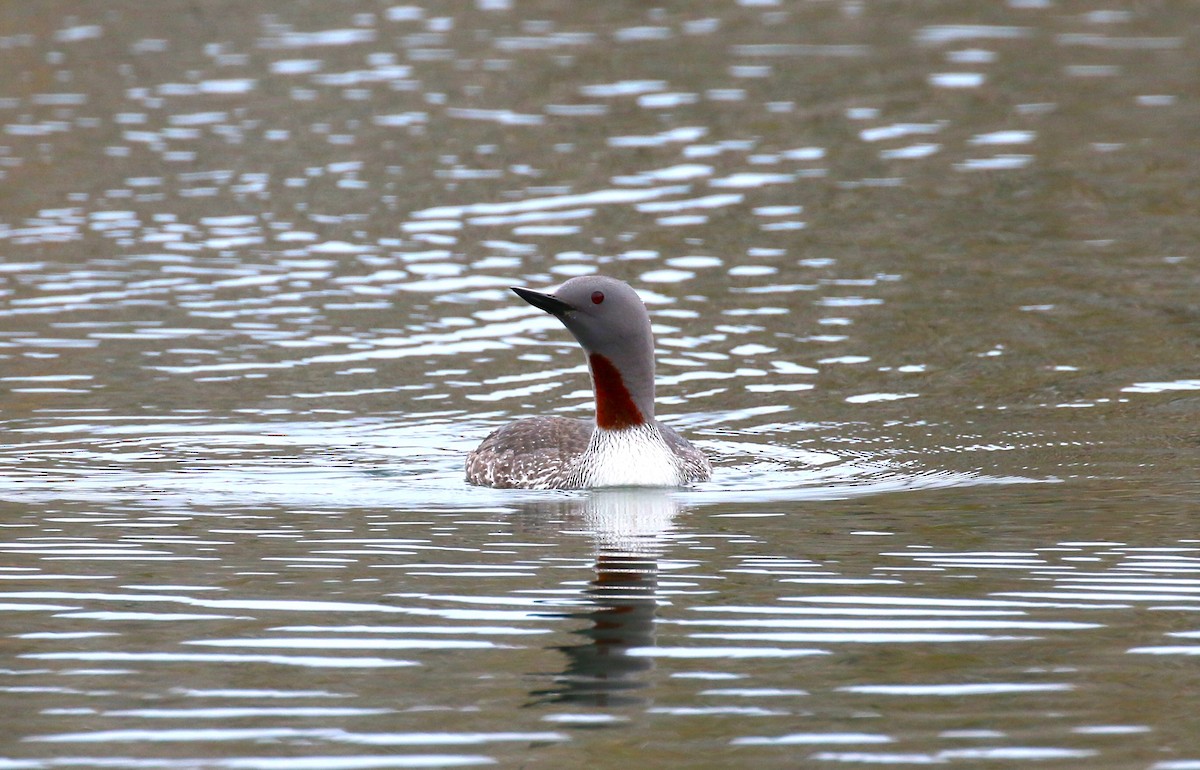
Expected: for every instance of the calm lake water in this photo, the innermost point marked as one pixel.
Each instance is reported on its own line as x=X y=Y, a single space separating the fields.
x=925 y=285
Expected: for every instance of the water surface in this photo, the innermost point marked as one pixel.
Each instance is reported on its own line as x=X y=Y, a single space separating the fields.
x=924 y=287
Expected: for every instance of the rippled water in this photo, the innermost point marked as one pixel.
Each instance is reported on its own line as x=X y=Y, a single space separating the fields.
x=924 y=285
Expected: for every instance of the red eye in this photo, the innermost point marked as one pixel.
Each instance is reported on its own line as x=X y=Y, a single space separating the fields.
x=597 y=297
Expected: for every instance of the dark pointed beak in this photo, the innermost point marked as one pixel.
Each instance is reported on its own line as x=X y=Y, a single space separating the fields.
x=548 y=302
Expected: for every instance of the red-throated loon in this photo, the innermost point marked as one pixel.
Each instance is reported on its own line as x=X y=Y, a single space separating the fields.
x=624 y=445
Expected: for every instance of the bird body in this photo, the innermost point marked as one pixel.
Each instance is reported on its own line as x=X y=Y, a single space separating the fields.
x=624 y=445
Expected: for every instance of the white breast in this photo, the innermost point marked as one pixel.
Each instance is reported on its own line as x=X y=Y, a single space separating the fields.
x=631 y=457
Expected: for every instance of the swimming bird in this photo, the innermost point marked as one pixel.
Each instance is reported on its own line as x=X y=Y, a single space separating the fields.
x=623 y=445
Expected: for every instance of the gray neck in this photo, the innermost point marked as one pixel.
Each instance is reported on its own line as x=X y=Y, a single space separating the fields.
x=638 y=374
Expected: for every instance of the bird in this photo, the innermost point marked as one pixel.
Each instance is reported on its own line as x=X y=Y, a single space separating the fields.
x=623 y=444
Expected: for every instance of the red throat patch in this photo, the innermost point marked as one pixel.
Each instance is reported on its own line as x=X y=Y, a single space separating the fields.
x=614 y=406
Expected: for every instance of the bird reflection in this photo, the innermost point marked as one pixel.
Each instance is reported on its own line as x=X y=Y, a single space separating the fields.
x=627 y=527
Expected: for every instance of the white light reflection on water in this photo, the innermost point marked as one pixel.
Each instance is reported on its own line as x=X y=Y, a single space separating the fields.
x=637 y=609
x=324 y=762
x=418 y=464
x=334 y=736
x=303 y=661
x=254 y=313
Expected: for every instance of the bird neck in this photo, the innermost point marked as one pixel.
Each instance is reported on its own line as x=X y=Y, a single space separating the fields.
x=619 y=403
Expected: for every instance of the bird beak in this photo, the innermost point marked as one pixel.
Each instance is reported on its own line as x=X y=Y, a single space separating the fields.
x=548 y=302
